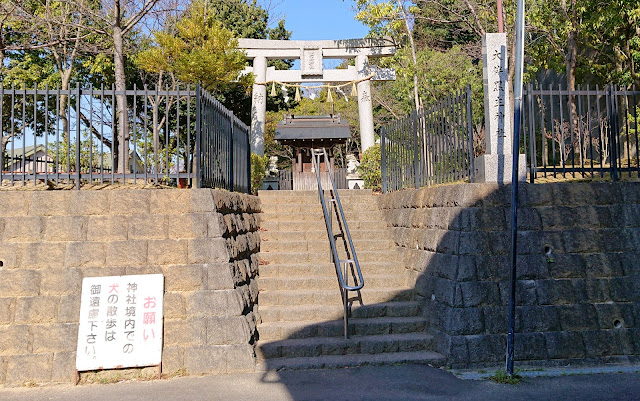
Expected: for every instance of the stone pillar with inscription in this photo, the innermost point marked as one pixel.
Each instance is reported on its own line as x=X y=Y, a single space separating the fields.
x=496 y=164
x=365 y=104
x=259 y=106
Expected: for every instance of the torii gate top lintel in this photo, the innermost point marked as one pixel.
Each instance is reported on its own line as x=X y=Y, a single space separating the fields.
x=342 y=48
x=311 y=55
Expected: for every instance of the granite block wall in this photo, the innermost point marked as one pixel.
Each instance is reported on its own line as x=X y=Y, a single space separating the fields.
x=578 y=277
x=204 y=241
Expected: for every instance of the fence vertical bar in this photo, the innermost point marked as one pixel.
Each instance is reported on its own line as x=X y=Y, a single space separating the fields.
x=78 y=141
x=636 y=128
x=2 y=167
x=613 y=132
x=46 y=132
x=562 y=144
x=598 y=96
x=580 y=131
x=167 y=132
x=528 y=95
x=145 y=96
x=383 y=158
x=198 y=153
x=472 y=171
x=232 y=124
x=57 y=132
x=35 y=123
x=135 y=135
x=626 y=129
x=101 y=133
x=13 y=142
x=189 y=158
x=114 y=133
x=248 y=162
x=416 y=155
x=178 y=168
x=24 y=137
x=589 y=128
x=90 y=138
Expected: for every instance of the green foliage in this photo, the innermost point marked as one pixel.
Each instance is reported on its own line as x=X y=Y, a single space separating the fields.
x=369 y=168
x=259 y=166
x=440 y=73
x=200 y=51
x=503 y=378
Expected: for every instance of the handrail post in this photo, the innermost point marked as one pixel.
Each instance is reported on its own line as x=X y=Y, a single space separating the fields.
x=342 y=275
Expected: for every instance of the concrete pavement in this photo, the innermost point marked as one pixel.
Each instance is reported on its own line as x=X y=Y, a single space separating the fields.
x=405 y=382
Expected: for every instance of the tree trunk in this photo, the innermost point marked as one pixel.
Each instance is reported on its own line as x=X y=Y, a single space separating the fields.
x=416 y=94
x=121 y=100
x=571 y=57
x=62 y=109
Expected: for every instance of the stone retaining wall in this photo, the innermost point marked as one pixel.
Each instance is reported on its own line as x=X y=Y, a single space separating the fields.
x=578 y=281
x=204 y=241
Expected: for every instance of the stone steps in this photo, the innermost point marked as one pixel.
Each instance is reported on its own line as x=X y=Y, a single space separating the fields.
x=326 y=269
x=321 y=235
x=334 y=328
x=315 y=225
x=327 y=282
x=323 y=246
x=372 y=344
x=352 y=360
x=323 y=257
x=292 y=313
x=300 y=306
x=316 y=215
x=328 y=297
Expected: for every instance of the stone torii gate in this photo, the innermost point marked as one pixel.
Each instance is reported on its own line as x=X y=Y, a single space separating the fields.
x=311 y=54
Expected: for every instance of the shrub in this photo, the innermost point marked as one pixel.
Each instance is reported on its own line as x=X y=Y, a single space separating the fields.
x=369 y=168
x=258 y=171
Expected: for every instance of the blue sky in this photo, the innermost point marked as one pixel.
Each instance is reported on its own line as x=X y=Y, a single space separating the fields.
x=319 y=19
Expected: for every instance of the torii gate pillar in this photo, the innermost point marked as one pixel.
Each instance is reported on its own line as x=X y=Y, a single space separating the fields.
x=365 y=105
x=259 y=106
x=311 y=54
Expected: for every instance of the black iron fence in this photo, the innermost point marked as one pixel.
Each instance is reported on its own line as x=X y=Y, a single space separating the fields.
x=182 y=137
x=586 y=133
x=432 y=146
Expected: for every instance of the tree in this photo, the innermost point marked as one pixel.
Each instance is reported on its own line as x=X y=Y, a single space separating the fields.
x=392 y=18
x=115 y=20
x=195 y=49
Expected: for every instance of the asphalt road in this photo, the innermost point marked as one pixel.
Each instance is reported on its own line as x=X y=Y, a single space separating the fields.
x=408 y=382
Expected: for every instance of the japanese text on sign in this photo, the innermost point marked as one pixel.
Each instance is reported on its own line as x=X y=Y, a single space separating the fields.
x=120 y=322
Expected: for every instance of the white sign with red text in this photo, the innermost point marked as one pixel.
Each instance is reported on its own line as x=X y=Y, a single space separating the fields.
x=120 y=322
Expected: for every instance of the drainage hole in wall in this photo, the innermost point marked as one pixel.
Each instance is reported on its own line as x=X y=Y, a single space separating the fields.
x=1 y=263
x=548 y=250
x=617 y=323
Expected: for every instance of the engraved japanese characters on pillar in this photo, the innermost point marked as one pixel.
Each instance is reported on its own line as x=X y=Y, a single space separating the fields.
x=259 y=105
x=365 y=105
x=497 y=101
x=311 y=63
x=496 y=164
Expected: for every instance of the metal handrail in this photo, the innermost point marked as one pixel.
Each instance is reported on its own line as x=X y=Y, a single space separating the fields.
x=343 y=276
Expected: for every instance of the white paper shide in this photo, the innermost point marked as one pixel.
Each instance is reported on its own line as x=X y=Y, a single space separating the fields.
x=120 y=322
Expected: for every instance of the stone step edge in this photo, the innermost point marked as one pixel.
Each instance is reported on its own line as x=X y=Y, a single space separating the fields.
x=339 y=322
x=352 y=339
x=330 y=306
x=352 y=360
